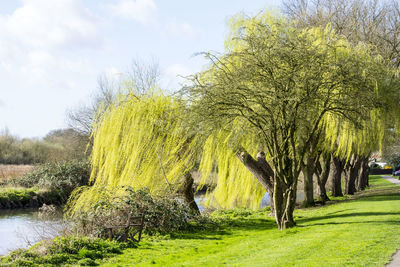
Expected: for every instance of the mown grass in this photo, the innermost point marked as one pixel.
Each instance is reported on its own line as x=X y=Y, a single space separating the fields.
x=363 y=230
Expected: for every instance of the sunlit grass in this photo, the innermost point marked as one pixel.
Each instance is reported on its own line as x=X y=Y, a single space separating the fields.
x=361 y=231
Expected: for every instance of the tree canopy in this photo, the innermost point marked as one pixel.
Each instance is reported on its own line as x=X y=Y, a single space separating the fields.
x=139 y=142
x=258 y=115
x=285 y=86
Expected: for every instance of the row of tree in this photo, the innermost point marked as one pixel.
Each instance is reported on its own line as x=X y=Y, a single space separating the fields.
x=58 y=145
x=302 y=93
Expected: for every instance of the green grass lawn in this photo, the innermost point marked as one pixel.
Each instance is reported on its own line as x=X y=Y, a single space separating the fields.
x=361 y=231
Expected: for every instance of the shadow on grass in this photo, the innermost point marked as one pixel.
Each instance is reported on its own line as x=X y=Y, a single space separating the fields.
x=379 y=194
x=346 y=215
x=358 y=222
x=338 y=211
x=380 y=197
x=214 y=231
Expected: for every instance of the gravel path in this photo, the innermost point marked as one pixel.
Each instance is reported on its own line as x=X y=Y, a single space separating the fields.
x=396 y=257
x=391 y=179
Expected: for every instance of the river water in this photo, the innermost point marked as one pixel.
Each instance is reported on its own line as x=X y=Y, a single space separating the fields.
x=21 y=228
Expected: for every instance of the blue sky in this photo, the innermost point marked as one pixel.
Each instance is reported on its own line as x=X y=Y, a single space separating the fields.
x=52 y=52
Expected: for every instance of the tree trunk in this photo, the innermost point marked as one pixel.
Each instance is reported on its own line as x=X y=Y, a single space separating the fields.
x=366 y=173
x=352 y=174
x=362 y=181
x=322 y=177
x=261 y=170
x=284 y=202
x=308 y=174
x=188 y=194
x=337 y=169
x=346 y=177
x=271 y=201
x=282 y=191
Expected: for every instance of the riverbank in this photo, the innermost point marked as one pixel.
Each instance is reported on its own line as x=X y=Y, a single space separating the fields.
x=23 y=198
x=358 y=231
x=49 y=184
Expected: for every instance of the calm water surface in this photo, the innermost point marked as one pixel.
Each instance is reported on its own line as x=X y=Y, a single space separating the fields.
x=21 y=228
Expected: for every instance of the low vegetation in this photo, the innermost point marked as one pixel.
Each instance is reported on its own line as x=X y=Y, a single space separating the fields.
x=57 y=177
x=10 y=171
x=65 y=250
x=51 y=183
x=162 y=214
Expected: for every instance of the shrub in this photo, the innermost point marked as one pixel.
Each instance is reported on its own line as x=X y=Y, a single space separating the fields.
x=375 y=166
x=61 y=178
x=87 y=262
x=64 y=250
x=162 y=214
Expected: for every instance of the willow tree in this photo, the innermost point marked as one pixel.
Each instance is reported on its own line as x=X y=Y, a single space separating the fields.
x=373 y=22
x=279 y=83
x=355 y=142
x=140 y=142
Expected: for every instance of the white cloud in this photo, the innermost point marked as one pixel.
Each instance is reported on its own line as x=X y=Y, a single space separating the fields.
x=41 y=39
x=143 y=11
x=43 y=23
x=183 y=29
x=36 y=66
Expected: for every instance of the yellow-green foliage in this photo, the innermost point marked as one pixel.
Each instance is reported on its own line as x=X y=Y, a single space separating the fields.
x=235 y=185
x=346 y=139
x=342 y=89
x=138 y=142
x=142 y=142
x=365 y=133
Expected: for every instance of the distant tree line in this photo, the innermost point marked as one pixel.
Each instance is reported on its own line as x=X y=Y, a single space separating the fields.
x=57 y=145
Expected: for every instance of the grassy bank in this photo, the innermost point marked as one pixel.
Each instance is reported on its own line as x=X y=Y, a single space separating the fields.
x=362 y=231
x=45 y=184
x=17 y=198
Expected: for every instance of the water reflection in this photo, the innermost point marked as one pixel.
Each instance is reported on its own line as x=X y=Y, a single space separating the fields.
x=22 y=228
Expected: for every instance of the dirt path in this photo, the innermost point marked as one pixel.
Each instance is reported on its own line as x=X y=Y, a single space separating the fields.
x=396 y=257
